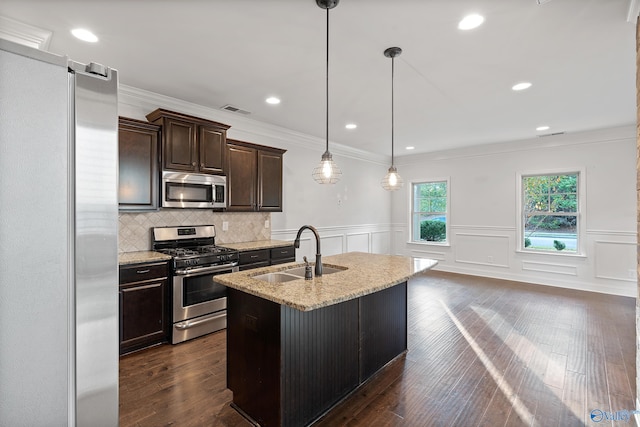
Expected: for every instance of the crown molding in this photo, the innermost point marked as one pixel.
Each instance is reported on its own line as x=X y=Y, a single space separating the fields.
x=634 y=11
x=28 y=35
x=240 y=125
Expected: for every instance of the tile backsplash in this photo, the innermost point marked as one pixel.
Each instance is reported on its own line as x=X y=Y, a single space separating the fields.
x=134 y=229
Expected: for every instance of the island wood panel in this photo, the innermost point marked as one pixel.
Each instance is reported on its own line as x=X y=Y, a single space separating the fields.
x=286 y=367
x=383 y=330
x=253 y=363
x=328 y=339
x=319 y=356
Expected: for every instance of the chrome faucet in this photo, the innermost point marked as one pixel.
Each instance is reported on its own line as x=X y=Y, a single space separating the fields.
x=296 y=243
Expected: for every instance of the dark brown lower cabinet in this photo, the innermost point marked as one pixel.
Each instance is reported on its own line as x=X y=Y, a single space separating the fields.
x=288 y=367
x=265 y=257
x=144 y=316
x=283 y=254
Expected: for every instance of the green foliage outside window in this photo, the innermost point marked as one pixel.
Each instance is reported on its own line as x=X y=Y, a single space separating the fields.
x=433 y=231
x=430 y=211
x=546 y=194
x=550 y=211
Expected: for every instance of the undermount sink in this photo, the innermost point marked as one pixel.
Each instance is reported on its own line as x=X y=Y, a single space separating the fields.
x=278 y=277
x=299 y=271
x=293 y=274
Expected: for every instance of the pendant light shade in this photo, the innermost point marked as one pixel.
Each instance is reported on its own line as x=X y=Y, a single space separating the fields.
x=392 y=181
x=327 y=172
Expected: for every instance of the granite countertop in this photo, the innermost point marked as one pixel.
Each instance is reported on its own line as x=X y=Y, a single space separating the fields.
x=257 y=244
x=365 y=274
x=141 y=256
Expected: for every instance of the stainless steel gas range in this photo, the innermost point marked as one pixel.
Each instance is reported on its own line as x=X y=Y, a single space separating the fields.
x=199 y=304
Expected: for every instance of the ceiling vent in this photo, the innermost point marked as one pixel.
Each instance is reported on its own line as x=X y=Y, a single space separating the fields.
x=543 y=1
x=551 y=134
x=233 y=109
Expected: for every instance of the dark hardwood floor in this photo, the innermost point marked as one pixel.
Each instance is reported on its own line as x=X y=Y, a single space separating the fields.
x=482 y=352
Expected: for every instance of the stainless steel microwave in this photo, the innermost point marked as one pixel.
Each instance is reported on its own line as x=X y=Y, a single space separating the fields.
x=193 y=190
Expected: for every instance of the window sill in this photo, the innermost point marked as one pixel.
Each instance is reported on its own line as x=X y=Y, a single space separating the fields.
x=559 y=253
x=445 y=244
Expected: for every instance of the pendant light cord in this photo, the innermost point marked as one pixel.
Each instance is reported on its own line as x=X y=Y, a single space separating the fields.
x=392 y=104
x=327 y=87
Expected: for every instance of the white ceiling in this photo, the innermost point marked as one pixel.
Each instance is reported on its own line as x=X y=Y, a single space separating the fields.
x=452 y=88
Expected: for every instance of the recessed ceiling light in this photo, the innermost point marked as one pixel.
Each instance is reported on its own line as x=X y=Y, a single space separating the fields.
x=273 y=100
x=410 y=148
x=541 y=128
x=470 y=22
x=351 y=125
x=521 y=86
x=84 y=35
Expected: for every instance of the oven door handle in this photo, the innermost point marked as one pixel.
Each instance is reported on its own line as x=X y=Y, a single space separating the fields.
x=203 y=270
x=192 y=324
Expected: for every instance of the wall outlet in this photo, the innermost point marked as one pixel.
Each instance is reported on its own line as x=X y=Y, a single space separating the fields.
x=225 y=225
x=266 y=223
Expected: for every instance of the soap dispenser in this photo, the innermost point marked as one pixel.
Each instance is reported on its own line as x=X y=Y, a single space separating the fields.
x=308 y=275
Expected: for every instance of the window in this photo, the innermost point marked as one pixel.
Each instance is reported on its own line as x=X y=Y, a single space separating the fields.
x=429 y=217
x=550 y=206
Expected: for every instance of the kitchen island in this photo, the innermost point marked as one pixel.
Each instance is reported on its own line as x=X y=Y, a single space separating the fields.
x=295 y=349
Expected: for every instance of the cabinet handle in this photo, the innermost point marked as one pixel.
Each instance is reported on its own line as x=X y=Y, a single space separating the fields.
x=201 y=165
x=254 y=256
x=284 y=252
x=142 y=271
x=193 y=163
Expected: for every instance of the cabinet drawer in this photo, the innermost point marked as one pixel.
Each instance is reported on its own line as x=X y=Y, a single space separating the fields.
x=254 y=265
x=251 y=257
x=142 y=272
x=283 y=252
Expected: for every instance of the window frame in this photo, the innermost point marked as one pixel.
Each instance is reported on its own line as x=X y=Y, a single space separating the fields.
x=580 y=213
x=447 y=241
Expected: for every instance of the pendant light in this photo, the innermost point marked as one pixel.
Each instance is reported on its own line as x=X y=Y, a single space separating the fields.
x=392 y=181
x=327 y=172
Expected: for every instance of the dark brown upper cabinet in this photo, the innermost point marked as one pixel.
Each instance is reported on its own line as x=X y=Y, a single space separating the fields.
x=254 y=177
x=191 y=144
x=138 y=160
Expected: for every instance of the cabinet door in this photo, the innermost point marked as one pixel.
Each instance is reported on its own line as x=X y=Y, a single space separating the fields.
x=269 y=181
x=142 y=315
x=213 y=145
x=138 y=159
x=179 y=145
x=241 y=178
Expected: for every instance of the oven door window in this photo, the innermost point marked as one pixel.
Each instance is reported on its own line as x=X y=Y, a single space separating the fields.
x=181 y=192
x=199 y=289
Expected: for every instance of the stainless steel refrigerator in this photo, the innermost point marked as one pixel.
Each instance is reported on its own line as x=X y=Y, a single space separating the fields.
x=58 y=240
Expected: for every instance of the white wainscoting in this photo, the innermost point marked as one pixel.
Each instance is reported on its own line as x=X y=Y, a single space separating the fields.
x=380 y=242
x=438 y=256
x=358 y=242
x=615 y=260
x=372 y=238
x=549 y=267
x=483 y=249
x=609 y=265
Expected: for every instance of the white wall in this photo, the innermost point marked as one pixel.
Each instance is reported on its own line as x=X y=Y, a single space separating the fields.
x=351 y=215
x=484 y=210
